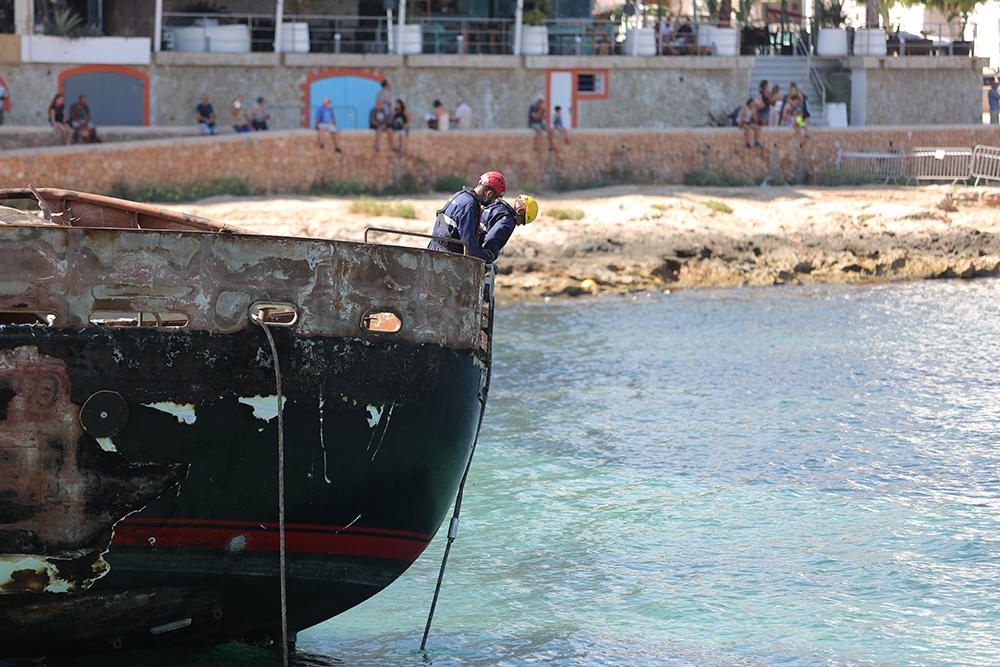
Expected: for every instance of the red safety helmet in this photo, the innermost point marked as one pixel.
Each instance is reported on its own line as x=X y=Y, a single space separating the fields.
x=495 y=181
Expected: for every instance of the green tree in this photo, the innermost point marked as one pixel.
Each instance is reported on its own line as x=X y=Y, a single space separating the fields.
x=952 y=9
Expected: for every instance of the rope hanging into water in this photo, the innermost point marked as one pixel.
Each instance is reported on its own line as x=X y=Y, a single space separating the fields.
x=256 y=317
x=453 y=526
x=483 y=393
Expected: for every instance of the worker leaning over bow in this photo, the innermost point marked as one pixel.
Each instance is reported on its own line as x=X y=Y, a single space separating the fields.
x=459 y=218
x=499 y=220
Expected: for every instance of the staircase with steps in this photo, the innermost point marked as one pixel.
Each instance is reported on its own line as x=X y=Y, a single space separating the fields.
x=783 y=70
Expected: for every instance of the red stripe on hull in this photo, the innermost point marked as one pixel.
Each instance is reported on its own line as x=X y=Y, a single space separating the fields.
x=236 y=540
x=272 y=524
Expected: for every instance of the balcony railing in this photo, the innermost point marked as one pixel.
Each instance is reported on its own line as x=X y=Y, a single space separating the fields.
x=677 y=36
x=466 y=35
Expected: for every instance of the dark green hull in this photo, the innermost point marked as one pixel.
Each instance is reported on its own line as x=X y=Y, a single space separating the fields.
x=377 y=436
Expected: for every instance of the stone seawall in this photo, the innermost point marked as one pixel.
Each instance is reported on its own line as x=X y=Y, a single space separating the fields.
x=291 y=161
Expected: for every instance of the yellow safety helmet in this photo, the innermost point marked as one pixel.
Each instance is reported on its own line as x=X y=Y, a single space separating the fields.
x=530 y=208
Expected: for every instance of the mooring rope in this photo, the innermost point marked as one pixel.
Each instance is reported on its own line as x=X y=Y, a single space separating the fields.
x=452 y=529
x=259 y=319
x=453 y=526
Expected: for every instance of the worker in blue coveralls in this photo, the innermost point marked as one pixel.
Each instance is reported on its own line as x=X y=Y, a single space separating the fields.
x=459 y=218
x=499 y=220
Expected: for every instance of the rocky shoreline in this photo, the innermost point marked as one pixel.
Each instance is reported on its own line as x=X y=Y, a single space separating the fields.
x=633 y=239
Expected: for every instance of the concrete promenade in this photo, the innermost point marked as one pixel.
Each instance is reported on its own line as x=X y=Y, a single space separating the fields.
x=290 y=161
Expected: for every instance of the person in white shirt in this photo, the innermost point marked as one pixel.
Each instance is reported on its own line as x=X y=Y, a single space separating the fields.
x=441 y=116
x=463 y=116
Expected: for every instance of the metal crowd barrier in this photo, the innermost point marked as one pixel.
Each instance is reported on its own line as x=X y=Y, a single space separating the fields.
x=939 y=164
x=878 y=164
x=985 y=164
x=921 y=164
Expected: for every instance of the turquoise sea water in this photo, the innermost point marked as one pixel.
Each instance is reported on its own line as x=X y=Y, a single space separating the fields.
x=799 y=475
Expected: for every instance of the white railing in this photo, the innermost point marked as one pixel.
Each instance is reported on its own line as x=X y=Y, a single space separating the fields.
x=940 y=164
x=956 y=165
x=985 y=164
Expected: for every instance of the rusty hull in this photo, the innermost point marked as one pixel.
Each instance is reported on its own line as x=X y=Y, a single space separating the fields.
x=63 y=491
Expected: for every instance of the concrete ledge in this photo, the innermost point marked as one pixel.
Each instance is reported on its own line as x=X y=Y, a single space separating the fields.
x=703 y=63
x=25 y=137
x=208 y=59
x=368 y=60
x=464 y=61
x=918 y=62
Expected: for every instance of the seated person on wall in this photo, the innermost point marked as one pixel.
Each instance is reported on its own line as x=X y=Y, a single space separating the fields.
x=204 y=114
x=399 y=125
x=381 y=113
x=459 y=218
x=793 y=89
x=499 y=220
x=241 y=122
x=557 y=124
x=443 y=116
x=747 y=121
x=462 y=120
x=327 y=122
x=57 y=119
x=793 y=116
x=536 y=122
x=260 y=116
x=81 y=122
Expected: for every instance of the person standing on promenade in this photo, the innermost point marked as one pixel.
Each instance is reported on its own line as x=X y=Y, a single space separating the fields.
x=994 y=99
x=459 y=218
x=499 y=220
x=326 y=122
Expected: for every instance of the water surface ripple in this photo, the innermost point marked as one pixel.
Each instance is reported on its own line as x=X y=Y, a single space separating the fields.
x=805 y=475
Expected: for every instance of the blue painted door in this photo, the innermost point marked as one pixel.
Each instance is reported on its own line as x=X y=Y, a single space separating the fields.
x=114 y=98
x=353 y=98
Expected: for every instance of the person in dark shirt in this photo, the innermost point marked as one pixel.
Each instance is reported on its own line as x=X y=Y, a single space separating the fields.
x=57 y=119
x=993 y=98
x=459 y=218
x=499 y=220
x=204 y=113
x=399 y=125
x=81 y=122
x=537 y=122
x=260 y=116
